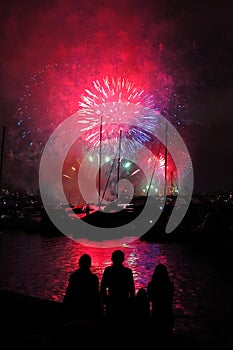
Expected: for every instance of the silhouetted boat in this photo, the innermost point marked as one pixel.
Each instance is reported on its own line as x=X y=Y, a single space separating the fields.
x=113 y=215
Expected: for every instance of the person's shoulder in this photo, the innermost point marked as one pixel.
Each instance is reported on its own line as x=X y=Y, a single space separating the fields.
x=149 y=284
x=95 y=276
x=74 y=274
x=128 y=269
x=108 y=268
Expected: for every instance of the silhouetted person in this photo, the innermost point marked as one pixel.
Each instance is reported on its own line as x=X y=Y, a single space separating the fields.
x=82 y=298
x=141 y=307
x=141 y=318
x=117 y=288
x=160 y=292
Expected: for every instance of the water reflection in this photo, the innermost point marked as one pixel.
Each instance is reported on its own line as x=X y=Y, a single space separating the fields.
x=41 y=266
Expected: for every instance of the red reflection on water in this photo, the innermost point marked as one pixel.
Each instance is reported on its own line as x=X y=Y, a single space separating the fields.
x=142 y=262
x=142 y=265
x=101 y=257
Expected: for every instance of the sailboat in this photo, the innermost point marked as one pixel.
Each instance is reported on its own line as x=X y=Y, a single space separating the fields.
x=115 y=214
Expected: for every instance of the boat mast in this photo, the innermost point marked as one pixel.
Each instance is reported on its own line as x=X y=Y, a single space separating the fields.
x=172 y=186
x=165 y=166
x=100 y=160
x=118 y=164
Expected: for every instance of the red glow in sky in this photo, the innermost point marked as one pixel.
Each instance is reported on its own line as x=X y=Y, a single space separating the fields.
x=52 y=51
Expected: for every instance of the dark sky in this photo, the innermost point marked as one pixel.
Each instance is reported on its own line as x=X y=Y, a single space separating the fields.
x=180 y=51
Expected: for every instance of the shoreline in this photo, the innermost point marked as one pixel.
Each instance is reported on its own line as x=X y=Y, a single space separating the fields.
x=28 y=319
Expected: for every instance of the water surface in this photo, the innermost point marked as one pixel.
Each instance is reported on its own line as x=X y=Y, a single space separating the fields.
x=40 y=266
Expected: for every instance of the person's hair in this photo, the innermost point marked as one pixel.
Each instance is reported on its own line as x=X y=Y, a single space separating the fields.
x=160 y=273
x=85 y=260
x=118 y=256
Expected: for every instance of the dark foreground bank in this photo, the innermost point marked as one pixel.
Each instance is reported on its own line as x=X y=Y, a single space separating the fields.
x=34 y=323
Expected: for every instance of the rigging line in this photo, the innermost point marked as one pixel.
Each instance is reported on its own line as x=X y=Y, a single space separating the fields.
x=153 y=171
x=105 y=188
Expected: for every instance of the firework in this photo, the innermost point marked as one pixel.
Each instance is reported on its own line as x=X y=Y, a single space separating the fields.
x=111 y=103
x=55 y=92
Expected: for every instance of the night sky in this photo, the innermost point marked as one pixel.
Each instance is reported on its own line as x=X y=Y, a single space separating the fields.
x=181 y=52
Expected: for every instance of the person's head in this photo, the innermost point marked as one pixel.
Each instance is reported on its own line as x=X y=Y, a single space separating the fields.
x=84 y=260
x=141 y=294
x=118 y=256
x=160 y=273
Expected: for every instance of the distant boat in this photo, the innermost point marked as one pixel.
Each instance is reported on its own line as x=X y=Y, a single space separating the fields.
x=113 y=215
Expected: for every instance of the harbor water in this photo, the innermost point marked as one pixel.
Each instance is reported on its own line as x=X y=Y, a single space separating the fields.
x=40 y=266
